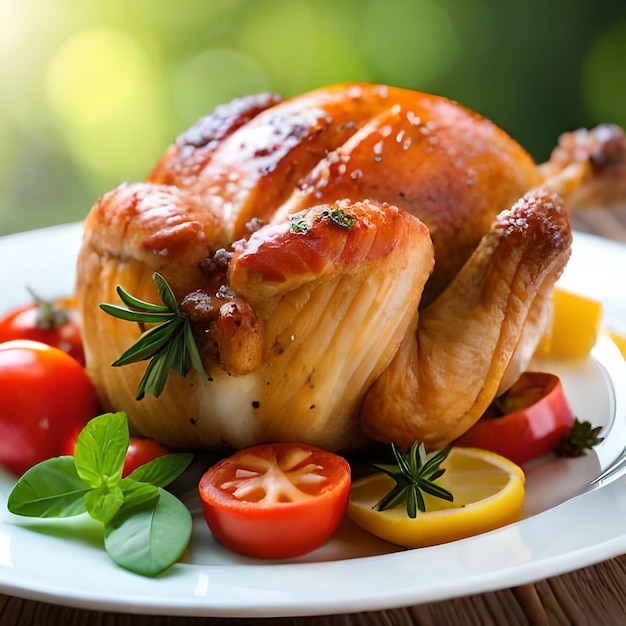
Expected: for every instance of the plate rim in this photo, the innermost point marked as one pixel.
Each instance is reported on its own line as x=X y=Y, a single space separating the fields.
x=147 y=599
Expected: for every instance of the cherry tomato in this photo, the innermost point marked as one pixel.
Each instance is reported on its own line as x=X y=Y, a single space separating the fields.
x=140 y=451
x=46 y=398
x=56 y=323
x=528 y=421
x=275 y=501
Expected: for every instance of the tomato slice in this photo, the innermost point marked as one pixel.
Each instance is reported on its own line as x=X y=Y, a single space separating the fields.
x=276 y=501
x=528 y=421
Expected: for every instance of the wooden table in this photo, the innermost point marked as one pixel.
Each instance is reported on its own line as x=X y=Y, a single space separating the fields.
x=591 y=596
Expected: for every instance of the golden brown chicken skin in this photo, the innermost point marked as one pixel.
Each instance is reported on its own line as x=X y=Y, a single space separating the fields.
x=303 y=323
x=444 y=376
x=455 y=242
x=445 y=164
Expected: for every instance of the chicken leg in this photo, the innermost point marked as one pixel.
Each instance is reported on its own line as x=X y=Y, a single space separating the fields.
x=445 y=374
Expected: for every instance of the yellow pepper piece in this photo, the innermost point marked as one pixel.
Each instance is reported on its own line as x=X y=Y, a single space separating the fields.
x=619 y=340
x=575 y=326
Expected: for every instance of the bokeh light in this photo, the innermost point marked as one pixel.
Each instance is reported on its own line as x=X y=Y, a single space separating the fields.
x=413 y=44
x=102 y=86
x=92 y=93
x=213 y=77
x=605 y=76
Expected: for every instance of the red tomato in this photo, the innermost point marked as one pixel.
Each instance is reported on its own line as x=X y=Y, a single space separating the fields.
x=56 y=323
x=46 y=398
x=528 y=421
x=140 y=451
x=275 y=501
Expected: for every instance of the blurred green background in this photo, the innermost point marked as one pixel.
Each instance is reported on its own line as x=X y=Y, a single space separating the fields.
x=93 y=91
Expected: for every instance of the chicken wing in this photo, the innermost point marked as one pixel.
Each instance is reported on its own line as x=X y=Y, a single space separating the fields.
x=588 y=168
x=445 y=375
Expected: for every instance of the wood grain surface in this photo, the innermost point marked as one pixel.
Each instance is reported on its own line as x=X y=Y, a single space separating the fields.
x=590 y=596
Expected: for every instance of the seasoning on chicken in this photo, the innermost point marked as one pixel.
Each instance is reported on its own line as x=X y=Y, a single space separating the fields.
x=327 y=241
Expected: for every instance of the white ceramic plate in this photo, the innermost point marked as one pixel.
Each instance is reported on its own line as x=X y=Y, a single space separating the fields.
x=568 y=524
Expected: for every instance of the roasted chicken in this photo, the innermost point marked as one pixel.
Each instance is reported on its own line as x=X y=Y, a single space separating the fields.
x=357 y=262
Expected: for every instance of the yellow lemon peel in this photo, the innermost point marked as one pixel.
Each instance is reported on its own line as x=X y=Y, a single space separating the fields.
x=488 y=493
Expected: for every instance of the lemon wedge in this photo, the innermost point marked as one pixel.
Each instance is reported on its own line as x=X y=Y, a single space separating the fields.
x=488 y=493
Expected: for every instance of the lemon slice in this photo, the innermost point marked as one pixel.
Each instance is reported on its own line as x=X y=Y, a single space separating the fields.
x=488 y=493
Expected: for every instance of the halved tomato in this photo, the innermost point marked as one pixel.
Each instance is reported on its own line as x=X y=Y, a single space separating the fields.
x=275 y=501
x=529 y=420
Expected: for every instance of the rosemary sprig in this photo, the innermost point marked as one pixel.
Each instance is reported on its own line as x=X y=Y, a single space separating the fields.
x=415 y=473
x=169 y=345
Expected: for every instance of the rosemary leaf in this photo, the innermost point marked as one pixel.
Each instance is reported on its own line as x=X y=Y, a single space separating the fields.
x=155 y=377
x=436 y=490
x=165 y=292
x=179 y=357
x=415 y=473
x=140 y=305
x=192 y=349
x=432 y=462
x=169 y=346
x=135 y=316
x=149 y=344
x=395 y=497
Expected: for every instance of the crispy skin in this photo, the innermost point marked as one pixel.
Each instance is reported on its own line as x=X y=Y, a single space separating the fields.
x=445 y=375
x=327 y=307
x=445 y=164
x=295 y=324
x=588 y=168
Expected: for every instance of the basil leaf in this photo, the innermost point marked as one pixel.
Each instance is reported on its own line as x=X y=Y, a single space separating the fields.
x=51 y=488
x=101 y=449
x=149 y=538
x=162 y=470
x=102 y=504
x=136 y=493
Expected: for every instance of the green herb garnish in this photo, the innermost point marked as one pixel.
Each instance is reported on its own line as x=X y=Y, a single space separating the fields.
x=340 y=217
x=146 y=529
x=299 y=225
x=169 y=344
x=414 y=472
x=581 y=437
